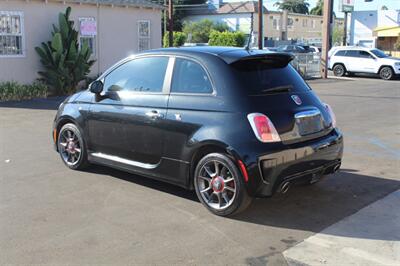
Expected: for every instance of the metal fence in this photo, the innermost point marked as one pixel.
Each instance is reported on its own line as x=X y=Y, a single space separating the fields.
x=308 y=65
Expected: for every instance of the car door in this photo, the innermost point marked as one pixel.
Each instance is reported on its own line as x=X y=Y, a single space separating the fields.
x=351 y=60
x=125 y=121
x=367 y=62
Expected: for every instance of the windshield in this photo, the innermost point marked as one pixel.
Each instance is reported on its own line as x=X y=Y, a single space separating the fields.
x=379 y=53
x=262 y=78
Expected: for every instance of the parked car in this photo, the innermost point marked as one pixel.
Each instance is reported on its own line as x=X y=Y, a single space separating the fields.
x=291 y=49
x=230 y=123
x=352 y=60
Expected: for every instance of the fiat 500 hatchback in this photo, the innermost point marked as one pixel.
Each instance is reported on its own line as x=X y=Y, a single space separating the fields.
x=230 y=123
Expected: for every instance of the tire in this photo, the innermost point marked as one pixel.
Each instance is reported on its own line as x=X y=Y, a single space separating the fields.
x=214 y=174
x=386 y=73
x=72 y=148
x=339 y=70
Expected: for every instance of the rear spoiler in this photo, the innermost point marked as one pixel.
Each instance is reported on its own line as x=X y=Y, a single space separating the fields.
x=273 y=58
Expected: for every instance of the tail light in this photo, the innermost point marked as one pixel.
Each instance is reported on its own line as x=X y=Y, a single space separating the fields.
x=263 y=128
x=331 y=113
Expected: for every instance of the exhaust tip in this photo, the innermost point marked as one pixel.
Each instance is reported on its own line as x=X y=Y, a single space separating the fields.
x=336 y=168
x=285 y=187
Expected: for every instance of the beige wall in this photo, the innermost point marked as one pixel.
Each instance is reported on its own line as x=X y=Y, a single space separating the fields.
x=117 y=34
x=311 y=29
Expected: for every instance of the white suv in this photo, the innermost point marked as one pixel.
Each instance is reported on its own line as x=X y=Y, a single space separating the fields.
x=351 y=60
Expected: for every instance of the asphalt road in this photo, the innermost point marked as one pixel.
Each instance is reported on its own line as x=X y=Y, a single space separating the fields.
x=52 y=215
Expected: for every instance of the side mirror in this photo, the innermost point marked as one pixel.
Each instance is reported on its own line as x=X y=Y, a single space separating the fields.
x=96 y=87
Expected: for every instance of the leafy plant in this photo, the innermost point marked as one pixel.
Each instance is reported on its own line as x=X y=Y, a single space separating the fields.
x=13 y=91
x=318 y=9
x=293 y=6
x=397 y=43
x=227 y=38
x=64 y=64
x=199 y=32
x=179 y=39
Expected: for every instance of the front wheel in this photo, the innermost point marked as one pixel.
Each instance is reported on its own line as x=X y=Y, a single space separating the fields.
x=71 y=147
x=220 y=186
x=386 y=73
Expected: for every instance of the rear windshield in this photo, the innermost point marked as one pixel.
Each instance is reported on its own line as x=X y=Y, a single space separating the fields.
x=259 y=78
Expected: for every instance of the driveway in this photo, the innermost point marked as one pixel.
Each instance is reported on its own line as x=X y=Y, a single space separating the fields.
x=52 y=215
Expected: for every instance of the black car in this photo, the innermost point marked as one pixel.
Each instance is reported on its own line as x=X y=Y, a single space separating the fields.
x=292 y=49
x=230 y=123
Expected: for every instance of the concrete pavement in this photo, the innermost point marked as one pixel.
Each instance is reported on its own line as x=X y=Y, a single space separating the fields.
x=369 y=237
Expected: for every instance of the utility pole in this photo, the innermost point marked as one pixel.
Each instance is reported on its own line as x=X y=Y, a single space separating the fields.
x=171 y=23
x=165 y=17
x=326 y=36
x=345 y=30
x=260 y=25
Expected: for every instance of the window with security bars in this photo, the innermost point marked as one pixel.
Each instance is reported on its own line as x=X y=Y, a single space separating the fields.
x=144 y=35
x=11 y=33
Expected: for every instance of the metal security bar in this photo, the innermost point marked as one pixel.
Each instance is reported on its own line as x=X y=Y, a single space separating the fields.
x=308 y=65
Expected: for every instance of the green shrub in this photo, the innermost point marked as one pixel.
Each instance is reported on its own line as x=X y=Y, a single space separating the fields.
x=227 y=38
x=13 y=91
x=200 y=31
x=65 y=65
x=179 y=39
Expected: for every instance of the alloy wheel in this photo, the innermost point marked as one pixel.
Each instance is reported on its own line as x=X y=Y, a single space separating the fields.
x=70 y=147
x=217 y=185
x=339 y=71
x=386 y=73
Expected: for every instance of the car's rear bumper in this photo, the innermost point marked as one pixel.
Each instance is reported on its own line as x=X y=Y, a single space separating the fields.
x=301 y=162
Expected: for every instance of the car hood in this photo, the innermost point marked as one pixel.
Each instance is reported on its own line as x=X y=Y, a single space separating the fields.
x=390 y=60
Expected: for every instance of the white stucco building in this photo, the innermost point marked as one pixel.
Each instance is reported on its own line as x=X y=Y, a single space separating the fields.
x=114 y=29
x=363 y=25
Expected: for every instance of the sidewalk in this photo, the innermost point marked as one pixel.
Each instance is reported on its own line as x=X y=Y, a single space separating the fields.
x=368 y=237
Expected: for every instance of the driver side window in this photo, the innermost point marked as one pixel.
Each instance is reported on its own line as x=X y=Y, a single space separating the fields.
x=138 y=75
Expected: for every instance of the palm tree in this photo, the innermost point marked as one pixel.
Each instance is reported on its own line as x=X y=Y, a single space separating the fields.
x=293 y=6
x=318 y=9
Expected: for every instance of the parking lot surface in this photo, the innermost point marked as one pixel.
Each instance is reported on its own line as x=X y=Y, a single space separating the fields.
x=52 y=215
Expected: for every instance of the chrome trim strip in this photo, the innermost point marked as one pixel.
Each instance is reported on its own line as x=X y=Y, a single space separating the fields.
x=124 y=161
x=309 y=113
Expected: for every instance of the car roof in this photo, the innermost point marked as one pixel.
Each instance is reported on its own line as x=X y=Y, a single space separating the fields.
x=352 y=48
x=228 y=54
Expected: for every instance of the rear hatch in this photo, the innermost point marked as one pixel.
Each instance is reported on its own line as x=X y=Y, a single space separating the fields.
x=275 y=89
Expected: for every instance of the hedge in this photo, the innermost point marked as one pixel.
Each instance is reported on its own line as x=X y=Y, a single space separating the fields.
x=13 y=91
x=179 y=39
x=227 y=38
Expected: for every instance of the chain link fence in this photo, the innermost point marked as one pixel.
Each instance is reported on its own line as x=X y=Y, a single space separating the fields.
x=308 y=65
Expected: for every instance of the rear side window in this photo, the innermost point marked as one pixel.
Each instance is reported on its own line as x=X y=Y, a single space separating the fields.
x=140 y=75
x=352 y=53
x=190 y=77
x=258 y=77
x=365 y=54
x=340 y=53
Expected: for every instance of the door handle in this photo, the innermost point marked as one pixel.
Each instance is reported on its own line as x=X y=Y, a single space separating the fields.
x=154 y=114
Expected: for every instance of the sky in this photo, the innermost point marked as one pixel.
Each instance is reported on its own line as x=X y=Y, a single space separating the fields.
x=358 y=4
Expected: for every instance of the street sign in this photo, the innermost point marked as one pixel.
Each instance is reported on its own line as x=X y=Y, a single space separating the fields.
x=346 y=5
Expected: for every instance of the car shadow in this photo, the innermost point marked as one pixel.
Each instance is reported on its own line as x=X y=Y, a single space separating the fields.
x=50 y=103
x=307 y=208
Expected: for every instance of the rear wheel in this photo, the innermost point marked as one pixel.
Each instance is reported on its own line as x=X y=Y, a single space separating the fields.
x=386 y=73
x=71 y=147
x=339 y=70
x=219 y=185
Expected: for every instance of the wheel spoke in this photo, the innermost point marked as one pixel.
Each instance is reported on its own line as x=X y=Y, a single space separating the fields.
x=226 y=198
x=229 y=180
x=211 y=174
x=231 y=189
x=64 y=144
x=205 y=190
x=69 y=134
x=219 y=199
x=216 y=166
x=208 y=179
x=78 y=150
